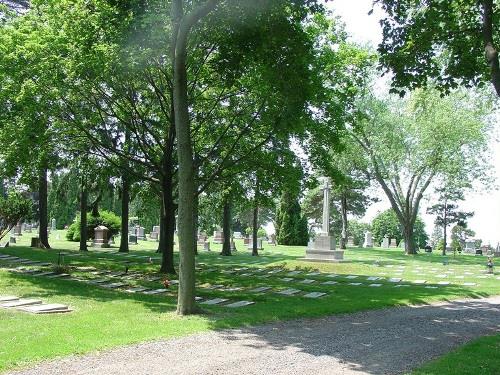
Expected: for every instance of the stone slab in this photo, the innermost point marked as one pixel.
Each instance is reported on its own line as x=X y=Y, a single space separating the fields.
x=21 y=302
x=155 y=291
x=330 y=282
x=113 y=285
x=351 y=277
x=240 y=304
x=315 y=295
x=307 y=281
x=287 y=279
x=289 y=292
x=394 y=280
x=419 y=281
x=8 y=298
x=469 y=284
x=136 y=290
x=375 y=285
x=355 y=284
x=293 y=273
x=260 y=289
x=443 y=283
x=44 y=307
x=373 y=278
x=215 y=301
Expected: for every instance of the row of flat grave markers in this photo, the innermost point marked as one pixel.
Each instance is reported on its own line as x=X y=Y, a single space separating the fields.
x=32 y=305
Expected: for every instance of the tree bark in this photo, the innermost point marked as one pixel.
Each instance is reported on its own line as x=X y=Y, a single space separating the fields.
x=196 y=203
x=491 y=52
x=409 y=239
x=182 y=25
x=83 y=218
x=168 y=229
x=255 y=229
x=42 y=207
x=226 y=228
x=124 y=248
x=445 y=226
x=343 y=209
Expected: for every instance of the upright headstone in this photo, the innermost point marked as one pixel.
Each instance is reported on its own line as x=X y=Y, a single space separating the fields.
x=470 y=246
x=392 y=243
x=132 y=239
x=323 y=247
x=259 y=244
x=140 y=233
x=218 y=237
x=246 y=241
x=18 y=230
x=53 y=225
x=350 y=242
x=206 y=246
x=101 y=237
x=368 y=240
x=385 y=242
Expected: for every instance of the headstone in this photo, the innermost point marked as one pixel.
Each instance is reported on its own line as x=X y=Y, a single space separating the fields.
x=132 y=239
x=140 y=233
x=246 y=241
x=27 y=228
x=52 y=308
x=470 y=247
x=101 y=237
x=12 y=240
x=232 y=245
x=206 y=246
x=237 y=235
x=35 y=242
x=350 y=242
x=202 y=238
x=368 y=240
x=218 y=237
x=259 y=244
x=53 y=225
x=240 y=304
x=214 y=301
x=315 y=295
x=322 y=249
x=154 y=236
x=21 y=302
x=385 y=242
x=18 y=230
x=392 y=243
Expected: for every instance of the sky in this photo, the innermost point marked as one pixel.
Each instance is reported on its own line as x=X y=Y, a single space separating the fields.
x=485 y=202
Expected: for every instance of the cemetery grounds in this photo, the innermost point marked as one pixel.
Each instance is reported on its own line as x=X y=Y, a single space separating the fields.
x=113 y=308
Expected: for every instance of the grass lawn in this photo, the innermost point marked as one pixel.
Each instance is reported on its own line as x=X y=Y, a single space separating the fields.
x=105 y=318
x=480 y=357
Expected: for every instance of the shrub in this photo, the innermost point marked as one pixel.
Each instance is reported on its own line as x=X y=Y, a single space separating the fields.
x=106 y=218
x=261 y=232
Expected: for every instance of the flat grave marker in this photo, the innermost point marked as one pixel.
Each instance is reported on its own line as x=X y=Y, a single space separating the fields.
x=240 y=304
x=215 y=301
x=289 y=292
x=315 y=295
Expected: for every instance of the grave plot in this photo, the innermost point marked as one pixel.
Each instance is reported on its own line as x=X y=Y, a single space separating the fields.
x=34 y=306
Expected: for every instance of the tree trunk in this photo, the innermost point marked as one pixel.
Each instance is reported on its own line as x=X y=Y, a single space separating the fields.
x=125 y=210
x=343 y=209
x=226 y=228
x=83 y=218
x=490 y=50
x=445 y=226
x=196 y=202
x=163 y=229
x=182 y=26
x=167 y=228
x=409 y=239
x=42 y=206
x=255 y=229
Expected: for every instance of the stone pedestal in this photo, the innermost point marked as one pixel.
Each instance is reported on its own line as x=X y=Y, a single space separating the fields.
x=323 y=249
x=101 y=237
x=218 y=237
x=368 y=240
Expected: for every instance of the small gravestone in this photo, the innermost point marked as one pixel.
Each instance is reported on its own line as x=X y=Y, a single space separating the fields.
x=35 y=242
x=307 y=281
x=385 y=242
x=272 y=240
x=215 y=301
x=240 y=304
x=101 y=237
x=206 y=246
x=351 y=277
x=259 y=244
x=289 y=292
x=238 y=235
x=368 y=243
x=140 y=233
x=132 y=239
x=53 y=308
x=53 y=225
x=294 y=273
x=330 y=282
x=12 y=240
x=154 y=236
x=18 y=229
x=355 y=284
x=350 y=242
x=392 y=243
x=218 y=237
x=246 y=241
x=394 y=280
x=21 y=302
x=8 y=298
x=315 y=295
x=375 y=285
x=419 y=282
x=260 y=289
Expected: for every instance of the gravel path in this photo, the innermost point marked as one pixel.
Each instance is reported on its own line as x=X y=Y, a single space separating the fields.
x=389 y=341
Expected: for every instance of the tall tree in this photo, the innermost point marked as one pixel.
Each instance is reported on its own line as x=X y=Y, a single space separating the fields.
x=409 y=145
x=446 y=210
x=451 y=42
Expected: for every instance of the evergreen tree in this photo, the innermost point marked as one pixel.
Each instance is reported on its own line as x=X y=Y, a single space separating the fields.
x=291 y=226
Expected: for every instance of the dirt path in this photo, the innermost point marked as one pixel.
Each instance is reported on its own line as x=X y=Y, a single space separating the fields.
x=389 y=341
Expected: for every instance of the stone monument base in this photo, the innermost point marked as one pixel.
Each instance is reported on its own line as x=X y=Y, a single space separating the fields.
x=323 y=250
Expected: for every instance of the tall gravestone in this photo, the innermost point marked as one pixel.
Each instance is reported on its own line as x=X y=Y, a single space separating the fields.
x=385 y=242
x=350 y=242
x=53 y=225
x=18 y=230
x=101 y=237
x=368 y=240
x=218 y=237
x=392 y=243
x=322 y=249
